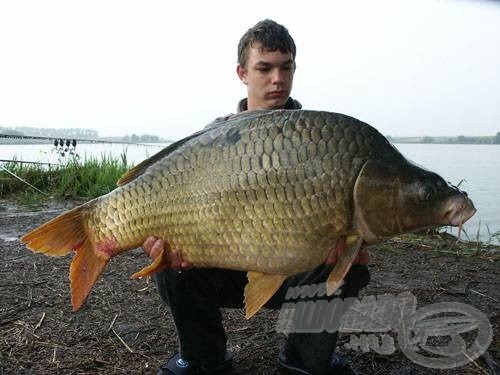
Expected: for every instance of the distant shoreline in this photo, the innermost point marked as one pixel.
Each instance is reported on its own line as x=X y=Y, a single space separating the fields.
x=457 y=140
x=443 y=143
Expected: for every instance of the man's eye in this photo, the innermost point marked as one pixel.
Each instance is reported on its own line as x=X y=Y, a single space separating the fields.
x=263 y=69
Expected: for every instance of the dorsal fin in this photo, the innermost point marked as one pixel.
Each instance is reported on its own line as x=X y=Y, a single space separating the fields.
x=140 y=168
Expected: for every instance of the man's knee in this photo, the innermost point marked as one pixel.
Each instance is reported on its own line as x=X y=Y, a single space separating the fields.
x=172 y=284
x=213 y=286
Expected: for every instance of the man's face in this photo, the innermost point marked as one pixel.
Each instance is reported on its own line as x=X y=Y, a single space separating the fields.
x=268 y=76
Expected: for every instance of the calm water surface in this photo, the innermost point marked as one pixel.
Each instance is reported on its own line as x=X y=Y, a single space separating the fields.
x=47 y=153
x=477 y=165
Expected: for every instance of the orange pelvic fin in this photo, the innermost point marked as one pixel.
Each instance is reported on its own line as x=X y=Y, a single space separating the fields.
x=260 y=288
x=161 y=262
x=343 y=264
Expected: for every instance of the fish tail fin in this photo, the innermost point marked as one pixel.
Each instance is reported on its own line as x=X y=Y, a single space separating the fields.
x=85 y=269
x=59 y=237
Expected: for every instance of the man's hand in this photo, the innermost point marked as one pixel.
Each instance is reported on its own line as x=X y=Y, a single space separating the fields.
x=363 y=256
x=153 y=246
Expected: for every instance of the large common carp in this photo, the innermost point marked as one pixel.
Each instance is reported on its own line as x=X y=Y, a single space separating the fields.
x=268 y=192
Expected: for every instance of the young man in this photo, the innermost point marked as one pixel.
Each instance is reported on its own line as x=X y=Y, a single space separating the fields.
x=266 y=65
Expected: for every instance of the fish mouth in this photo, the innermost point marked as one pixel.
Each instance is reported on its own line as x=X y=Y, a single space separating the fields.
x=460 y=210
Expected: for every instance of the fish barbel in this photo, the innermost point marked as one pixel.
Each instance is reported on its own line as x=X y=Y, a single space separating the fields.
x=269 y=192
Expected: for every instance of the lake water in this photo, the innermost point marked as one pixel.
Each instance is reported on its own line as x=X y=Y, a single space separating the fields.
x=46 y=153
x=477 y=165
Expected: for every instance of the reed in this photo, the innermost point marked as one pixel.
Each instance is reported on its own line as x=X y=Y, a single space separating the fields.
x=87 y=178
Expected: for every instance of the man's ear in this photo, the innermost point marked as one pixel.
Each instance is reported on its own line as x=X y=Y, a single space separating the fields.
x=242 y=73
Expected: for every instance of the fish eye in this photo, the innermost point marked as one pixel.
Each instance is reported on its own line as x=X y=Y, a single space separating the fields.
x=427 y=192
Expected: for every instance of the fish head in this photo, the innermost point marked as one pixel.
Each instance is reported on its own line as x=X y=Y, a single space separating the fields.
x=394 y=198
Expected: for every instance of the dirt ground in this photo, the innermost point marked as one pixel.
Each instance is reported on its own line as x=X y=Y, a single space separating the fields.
x=125 y=329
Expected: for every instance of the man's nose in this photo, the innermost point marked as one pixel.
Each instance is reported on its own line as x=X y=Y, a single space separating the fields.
x=277 y=76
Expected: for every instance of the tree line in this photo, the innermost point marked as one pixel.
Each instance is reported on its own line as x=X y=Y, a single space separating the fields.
x=461 y=139
x=77 y=133
x=50 y=132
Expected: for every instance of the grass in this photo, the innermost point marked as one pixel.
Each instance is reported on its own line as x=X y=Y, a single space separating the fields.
x=440 y=242
x=87 y=179
x=492 y=236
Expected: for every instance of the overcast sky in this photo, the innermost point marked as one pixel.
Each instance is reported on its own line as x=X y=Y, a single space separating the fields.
x=168 y=68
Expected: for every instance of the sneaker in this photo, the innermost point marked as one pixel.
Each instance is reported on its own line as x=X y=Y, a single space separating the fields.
x=289 y=366
x=178 y=366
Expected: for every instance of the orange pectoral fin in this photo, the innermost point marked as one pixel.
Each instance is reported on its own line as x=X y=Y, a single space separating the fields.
x=84 y=272
x=343 y=264
x=161 y=262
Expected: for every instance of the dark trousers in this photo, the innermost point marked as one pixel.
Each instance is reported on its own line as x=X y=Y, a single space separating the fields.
x=195 y=296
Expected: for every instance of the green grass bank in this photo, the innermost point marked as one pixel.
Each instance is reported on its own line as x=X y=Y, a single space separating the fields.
x=76 y=179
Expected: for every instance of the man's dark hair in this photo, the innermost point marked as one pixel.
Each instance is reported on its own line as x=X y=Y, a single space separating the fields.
x=270 y=35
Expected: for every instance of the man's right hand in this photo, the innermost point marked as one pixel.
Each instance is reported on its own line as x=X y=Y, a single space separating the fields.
x=153 y=247
x=363 y=256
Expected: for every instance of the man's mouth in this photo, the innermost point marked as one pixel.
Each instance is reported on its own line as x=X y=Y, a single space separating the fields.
x=276 y=94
